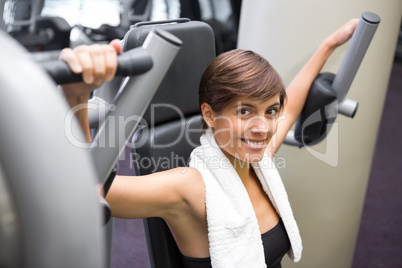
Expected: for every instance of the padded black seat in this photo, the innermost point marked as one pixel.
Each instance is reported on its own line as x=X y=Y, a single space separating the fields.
x=173 y=120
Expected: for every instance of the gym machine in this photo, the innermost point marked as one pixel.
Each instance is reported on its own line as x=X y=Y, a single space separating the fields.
x=46 y=220
x=327 y=95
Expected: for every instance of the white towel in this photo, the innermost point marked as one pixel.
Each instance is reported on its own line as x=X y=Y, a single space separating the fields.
x=233 y=231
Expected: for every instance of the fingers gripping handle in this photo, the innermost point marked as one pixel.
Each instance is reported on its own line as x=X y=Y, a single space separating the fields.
x=357 y=48
x=133 y=62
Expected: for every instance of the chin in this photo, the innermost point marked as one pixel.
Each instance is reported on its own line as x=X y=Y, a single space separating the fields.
x=251 y=158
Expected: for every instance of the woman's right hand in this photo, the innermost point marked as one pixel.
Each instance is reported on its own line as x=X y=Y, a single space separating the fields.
x=97 y=63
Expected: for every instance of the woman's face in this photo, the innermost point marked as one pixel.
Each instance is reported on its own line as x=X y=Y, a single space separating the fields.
x=245 y=127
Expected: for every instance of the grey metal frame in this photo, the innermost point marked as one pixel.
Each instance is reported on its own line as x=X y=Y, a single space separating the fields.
x=131 y=103
x=51 y=181
x=59 y=217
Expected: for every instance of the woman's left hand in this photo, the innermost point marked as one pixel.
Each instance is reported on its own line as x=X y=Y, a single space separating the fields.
x=343 y=34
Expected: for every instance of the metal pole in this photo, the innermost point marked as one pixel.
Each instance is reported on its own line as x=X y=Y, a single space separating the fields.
x=132 y=102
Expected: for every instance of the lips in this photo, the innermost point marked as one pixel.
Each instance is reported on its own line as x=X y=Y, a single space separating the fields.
x=254 y=144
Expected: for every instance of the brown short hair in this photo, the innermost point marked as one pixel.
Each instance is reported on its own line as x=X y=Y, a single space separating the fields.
x=239 y=73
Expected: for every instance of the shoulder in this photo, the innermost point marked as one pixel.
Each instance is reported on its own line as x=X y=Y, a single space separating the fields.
x=188 y=173
x=182 y=175
x=186 y=179
x=176 y=181
x=189 y=186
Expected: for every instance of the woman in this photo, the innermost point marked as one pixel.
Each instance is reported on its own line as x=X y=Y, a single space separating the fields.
x=241 y=98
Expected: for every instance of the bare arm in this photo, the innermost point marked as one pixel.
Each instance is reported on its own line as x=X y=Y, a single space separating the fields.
x=298 y=89
x=98 y=64
x=163 y=194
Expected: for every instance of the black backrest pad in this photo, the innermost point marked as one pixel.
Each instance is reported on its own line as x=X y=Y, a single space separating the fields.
x=165 y=146
x=173 y=121
x=180 y=85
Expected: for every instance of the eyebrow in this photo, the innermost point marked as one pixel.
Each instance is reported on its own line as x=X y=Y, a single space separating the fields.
x=242 y=104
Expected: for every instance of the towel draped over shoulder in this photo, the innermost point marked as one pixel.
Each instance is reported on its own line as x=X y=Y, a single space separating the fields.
x=233 y=231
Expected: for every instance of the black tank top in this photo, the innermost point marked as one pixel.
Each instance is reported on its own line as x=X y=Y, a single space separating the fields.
x=276 y=245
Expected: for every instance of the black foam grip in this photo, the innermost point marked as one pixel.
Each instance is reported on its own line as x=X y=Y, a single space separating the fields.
x=320 y=95
x=133 y=62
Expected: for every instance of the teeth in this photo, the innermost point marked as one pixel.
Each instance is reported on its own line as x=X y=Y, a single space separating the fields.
x=252 y=143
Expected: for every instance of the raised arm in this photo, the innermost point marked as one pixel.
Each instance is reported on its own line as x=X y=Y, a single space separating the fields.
x=298 y=89
x=98 y=64
x=164 y=194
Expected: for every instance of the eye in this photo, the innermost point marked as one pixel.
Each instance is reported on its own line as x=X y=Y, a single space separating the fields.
x=272 y=112
x=243 y=112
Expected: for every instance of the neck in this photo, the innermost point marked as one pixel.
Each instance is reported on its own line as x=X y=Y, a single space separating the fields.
x=242 y=168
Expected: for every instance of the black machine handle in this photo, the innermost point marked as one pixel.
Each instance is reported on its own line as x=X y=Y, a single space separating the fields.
x=133 y=62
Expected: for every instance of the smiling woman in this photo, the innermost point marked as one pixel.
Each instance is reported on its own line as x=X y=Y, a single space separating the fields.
x=217 y=213
x=245 y=127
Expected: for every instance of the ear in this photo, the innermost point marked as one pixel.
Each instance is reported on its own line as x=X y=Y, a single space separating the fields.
x=208 y=114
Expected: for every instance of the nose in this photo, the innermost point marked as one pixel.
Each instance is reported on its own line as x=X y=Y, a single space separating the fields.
x=259 y=125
